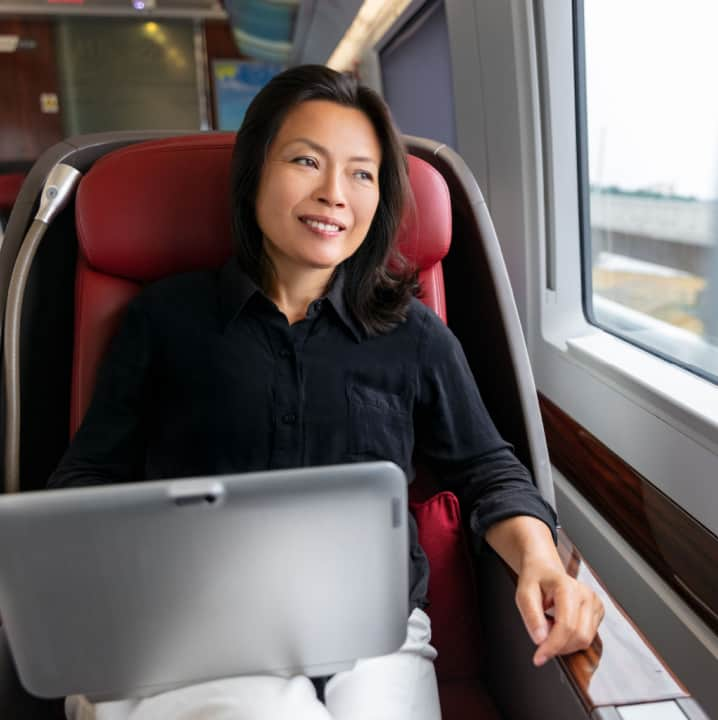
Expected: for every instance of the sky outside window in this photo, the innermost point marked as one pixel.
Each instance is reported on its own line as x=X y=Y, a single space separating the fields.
x=652 y=121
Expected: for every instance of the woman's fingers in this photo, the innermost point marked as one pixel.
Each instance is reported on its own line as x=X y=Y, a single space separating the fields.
x=530 y=602
x=593 y=615
x=577 y=612
x=567 y=612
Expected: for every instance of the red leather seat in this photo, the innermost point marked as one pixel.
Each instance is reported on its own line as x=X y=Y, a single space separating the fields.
x=10 y=185
x=162 y=207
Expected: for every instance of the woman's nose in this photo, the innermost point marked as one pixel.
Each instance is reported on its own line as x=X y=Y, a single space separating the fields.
x=330 y=191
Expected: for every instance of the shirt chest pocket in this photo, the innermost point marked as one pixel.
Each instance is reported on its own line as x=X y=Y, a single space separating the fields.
x=380 y=425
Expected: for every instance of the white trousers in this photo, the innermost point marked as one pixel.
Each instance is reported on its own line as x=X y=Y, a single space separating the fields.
x=400 y=686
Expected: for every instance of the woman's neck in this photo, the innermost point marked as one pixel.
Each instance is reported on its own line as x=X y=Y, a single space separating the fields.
x=292 y=293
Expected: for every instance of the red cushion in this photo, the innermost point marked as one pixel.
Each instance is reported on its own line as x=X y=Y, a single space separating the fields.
x=432 y=289
x=453 y=604
x=425 y=235
x=10 y=184
x=157 y=209
x=100 y=303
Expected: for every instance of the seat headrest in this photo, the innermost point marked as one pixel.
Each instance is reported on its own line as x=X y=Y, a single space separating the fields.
x=157 y=208
x=162 y=207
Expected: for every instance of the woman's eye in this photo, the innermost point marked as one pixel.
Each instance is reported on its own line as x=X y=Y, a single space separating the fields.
x=364 y=175
x=306 y=161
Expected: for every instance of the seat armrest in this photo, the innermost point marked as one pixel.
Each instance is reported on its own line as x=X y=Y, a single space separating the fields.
x=619 y=669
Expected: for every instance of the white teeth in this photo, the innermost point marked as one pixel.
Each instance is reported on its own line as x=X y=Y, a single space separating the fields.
x=321 y=226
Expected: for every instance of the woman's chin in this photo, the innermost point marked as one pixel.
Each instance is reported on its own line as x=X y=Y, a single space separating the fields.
x=323 y=262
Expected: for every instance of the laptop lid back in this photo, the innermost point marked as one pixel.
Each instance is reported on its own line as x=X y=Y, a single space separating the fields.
x=127 y=590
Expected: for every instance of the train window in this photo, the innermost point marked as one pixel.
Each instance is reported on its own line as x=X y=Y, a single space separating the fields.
x=648 y=137
x=657 y=416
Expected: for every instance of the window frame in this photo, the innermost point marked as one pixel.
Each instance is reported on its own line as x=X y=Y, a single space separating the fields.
x=515 y=115
x=631 y=399
x=515 y=89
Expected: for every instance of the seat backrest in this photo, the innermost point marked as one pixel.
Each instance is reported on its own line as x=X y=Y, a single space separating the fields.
x=157 y=208
x=162 y=207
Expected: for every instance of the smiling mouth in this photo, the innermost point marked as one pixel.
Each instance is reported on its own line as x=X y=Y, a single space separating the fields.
x=322 y=225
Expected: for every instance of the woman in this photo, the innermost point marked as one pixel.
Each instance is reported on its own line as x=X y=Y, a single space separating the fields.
x=310 y=348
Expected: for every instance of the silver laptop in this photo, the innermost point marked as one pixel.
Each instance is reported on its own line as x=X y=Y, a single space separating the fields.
x=126 y=590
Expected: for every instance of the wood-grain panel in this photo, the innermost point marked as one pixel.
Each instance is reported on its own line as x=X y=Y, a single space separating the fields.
x=677 y=546
x=25 y=131
x=620 y=667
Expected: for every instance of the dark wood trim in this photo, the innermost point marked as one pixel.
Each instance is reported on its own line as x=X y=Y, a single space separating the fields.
x=681 y=550
x=26 y=74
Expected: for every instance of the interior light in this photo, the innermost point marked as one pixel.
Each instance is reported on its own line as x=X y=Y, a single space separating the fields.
x=374 y=18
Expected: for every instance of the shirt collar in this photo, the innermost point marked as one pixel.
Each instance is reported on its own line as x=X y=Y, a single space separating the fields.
x=335 y=296
x=236 y=289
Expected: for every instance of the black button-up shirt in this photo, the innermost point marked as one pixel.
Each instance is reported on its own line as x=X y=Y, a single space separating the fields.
x=206 y=376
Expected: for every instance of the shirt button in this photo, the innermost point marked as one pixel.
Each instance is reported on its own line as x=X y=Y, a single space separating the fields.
x=289 y=418
x=284 y=353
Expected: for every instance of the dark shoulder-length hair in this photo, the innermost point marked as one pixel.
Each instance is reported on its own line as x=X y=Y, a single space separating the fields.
x=378 y=283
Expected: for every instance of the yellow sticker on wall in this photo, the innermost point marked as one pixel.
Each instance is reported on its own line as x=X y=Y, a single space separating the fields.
x=49 y=103
x=9 y=43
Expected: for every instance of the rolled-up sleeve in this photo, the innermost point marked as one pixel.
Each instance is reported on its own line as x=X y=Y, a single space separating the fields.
x=109 y=445
x=458 y=440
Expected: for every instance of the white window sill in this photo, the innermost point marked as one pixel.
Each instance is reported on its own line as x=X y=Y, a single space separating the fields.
x=682 y=399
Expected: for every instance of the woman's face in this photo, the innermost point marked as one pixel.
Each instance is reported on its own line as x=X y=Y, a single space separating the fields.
x=319 y=187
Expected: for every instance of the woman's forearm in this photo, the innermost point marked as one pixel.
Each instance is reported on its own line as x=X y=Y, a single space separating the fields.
x=523 y=539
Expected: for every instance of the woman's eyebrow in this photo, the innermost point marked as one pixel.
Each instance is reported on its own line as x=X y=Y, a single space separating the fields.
x=323 y=151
